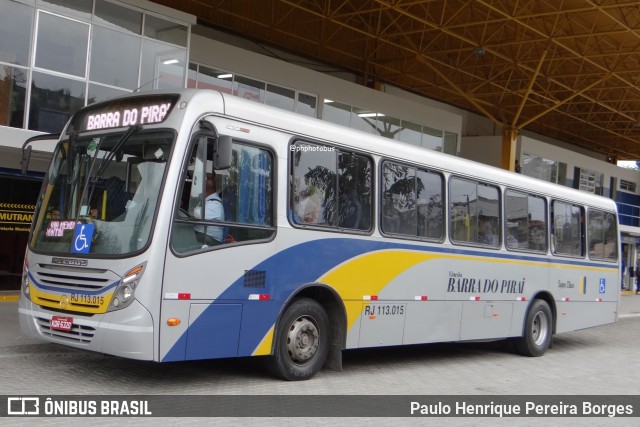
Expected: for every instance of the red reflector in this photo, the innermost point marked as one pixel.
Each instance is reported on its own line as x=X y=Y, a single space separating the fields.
x=264 y=297
x=374 y=297
x=184 y=296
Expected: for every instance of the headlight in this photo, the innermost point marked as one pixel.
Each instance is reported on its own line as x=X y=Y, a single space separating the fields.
x=123 y=296
x=25 y=281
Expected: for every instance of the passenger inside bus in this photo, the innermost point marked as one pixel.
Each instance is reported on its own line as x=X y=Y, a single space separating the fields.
x=308 y=210
x=486 y=234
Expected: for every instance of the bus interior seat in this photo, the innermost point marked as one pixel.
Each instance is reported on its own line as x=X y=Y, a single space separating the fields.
x=117 y=197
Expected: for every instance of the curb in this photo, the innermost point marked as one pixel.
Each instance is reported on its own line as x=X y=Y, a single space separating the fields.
x=9 y=297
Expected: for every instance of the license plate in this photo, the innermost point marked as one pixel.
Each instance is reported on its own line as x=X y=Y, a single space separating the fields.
x=61 y=323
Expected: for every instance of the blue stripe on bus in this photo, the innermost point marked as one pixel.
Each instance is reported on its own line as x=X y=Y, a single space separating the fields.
x=65 y=289
x=305 y=263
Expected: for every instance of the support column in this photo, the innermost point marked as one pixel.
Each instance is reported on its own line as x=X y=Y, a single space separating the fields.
x=509 y=149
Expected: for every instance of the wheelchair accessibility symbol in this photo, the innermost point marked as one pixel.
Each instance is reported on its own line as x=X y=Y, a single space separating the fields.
x=82 y=238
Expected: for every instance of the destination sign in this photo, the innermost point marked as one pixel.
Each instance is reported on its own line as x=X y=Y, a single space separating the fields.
x=146 y=109
x=155 y=113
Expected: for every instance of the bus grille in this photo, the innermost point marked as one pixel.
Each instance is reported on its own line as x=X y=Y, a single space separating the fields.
x=78 y=334
x=58 y=283
x=74 y=278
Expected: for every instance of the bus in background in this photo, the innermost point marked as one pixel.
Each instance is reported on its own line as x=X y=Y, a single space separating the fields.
x=191 y=224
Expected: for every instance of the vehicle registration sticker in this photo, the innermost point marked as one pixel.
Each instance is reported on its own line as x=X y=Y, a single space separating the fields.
x=61 y=323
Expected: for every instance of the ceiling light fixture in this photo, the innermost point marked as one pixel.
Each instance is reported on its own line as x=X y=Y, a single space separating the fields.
x=366 y=115
x=479 y=51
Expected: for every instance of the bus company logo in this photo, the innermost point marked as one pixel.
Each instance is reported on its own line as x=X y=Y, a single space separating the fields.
x=70 y=261
x=23 y=406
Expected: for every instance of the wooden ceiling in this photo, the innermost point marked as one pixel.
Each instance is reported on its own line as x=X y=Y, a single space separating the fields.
x=568 y=69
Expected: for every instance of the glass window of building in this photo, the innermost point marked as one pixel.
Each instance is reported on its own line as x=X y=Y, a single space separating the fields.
x=76 y=8
x=389 y=127
x=53 y=100
x=63 y=73
x=192 y=76
x=589 y=181
x=544 y=169
x=336 y=112
x=247 y=88
x=629 y=186
x=62 y=45
x=163 y=66
x=210 y=78
x=411 y=133
x=166 y=31
x=13 y=90
x=118 y=16
x=432 y=139
x=15 y=32
x=364 y=120
x=307 y=104
x=110 y=63
x=451 y=143
x=100 y=93
x=280 y=97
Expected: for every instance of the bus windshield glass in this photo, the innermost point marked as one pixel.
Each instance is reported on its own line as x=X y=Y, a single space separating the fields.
x=101 y=192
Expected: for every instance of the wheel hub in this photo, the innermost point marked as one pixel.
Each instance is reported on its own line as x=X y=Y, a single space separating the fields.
x=302 y=340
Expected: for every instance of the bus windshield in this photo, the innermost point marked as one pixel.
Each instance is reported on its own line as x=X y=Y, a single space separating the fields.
x=101 y=192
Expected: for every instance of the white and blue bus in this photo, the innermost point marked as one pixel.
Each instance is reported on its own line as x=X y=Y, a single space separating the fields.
x=327 y=239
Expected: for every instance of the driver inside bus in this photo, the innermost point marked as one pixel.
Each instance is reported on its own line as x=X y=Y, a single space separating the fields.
x=213 y=211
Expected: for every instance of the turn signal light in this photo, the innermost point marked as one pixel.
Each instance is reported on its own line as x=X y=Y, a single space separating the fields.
x=173 y=321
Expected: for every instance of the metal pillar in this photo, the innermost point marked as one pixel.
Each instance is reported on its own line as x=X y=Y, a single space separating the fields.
x=509 y=149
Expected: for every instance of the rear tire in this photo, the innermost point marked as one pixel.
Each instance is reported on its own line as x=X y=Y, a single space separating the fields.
x=302 y=341
x=537 y=330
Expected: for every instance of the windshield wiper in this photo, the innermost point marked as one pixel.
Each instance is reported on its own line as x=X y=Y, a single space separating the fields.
x=132 y=130
x=107 y=160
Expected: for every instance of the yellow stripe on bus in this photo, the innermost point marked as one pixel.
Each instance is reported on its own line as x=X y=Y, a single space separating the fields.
x=368 y=274
x=64 y=302
x=264 y=348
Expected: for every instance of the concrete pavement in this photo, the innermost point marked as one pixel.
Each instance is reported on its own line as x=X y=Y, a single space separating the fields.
x=596 y=361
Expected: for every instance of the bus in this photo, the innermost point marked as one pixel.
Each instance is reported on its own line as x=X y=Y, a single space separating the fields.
x=323 y=239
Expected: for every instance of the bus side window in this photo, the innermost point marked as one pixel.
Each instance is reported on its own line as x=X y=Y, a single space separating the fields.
x=399 y=203
x=526 y=223
x=568 y=222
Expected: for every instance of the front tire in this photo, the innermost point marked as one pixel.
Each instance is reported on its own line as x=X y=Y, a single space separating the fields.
x=302 y=341
x=537 y=330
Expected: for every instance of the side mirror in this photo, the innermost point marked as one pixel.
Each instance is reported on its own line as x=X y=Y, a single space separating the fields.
x=222 y=152
x=26 y=157
x=26 y=149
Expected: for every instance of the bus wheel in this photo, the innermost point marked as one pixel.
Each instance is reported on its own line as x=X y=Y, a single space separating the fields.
x=537 y=330
x=302 y=341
